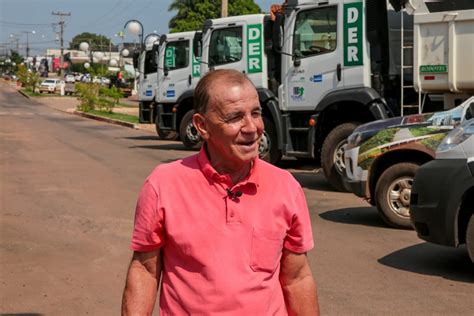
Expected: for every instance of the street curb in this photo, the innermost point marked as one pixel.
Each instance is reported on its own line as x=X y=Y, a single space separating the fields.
x=105 y=119
x=23 y=94
x=91 y=116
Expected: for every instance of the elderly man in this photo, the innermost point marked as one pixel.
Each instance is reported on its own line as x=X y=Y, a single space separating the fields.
x=228 y=233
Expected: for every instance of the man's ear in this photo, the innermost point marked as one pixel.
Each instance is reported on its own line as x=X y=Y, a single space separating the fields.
x=199 y=122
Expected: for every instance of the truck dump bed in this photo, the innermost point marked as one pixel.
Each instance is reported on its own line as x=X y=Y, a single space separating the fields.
x=443 y=56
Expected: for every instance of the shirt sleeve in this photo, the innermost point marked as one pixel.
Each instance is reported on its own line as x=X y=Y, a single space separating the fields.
x=148 y=231
x=299 y=237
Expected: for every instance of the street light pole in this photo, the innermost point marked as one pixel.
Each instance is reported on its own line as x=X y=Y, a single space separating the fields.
x=61 y=23
x=136 y=28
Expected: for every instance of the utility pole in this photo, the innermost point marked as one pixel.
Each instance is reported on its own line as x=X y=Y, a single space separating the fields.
x=224 y=9
x=61 y=24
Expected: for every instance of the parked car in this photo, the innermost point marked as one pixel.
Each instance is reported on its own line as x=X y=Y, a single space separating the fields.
x=442 y=199
x=49 y=85
x=69 y=78
x=382 y=157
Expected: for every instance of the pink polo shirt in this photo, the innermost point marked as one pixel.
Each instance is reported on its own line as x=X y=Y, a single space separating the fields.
x=221 y=254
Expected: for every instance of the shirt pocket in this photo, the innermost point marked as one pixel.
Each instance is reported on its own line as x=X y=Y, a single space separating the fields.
x=266 y=250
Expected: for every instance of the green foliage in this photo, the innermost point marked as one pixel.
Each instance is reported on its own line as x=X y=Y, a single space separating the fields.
x=117 y=116
x=28 y=79
x=433 y=141
x=113 y=93
x=95 y=97
x=422 y=131
x=16 y=57
x=382 y=137
x=191 y=14
x=88 y=94
x=96 y=42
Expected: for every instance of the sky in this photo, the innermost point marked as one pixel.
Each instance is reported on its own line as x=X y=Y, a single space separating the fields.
x=106 y=17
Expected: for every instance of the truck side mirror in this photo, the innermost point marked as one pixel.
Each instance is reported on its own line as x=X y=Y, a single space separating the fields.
x=197 y=44
x=136 y=56
x=278 y=32
x=165 y=70
x=154 y=53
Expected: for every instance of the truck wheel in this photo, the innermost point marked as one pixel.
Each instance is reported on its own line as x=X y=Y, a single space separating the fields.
x=470 y=238
x=167 y=135
x=268 y=147
x=188 y=133
x=332 y=154
x=392 y=194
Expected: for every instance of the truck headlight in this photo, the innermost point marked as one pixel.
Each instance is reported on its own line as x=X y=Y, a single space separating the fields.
x=457 y=136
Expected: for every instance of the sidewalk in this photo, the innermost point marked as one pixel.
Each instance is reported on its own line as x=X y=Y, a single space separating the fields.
x=69 y=105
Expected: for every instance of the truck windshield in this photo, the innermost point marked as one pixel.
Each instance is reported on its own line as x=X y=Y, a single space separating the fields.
x=225 y=46
x=315 y=32
x=177 y=55
x=150 y=63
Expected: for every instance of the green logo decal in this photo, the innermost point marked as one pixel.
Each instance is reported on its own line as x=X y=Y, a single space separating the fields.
x=169 y=57
x=196 y=66
x=353 y=15
x=254 y=48
x=433 y=68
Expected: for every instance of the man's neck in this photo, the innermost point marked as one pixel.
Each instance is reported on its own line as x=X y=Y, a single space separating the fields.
x=236 y=173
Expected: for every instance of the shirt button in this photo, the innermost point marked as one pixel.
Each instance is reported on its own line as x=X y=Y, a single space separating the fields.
x=231 y=214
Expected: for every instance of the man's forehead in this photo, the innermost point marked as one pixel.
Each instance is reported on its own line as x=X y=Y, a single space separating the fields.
x=232 y=93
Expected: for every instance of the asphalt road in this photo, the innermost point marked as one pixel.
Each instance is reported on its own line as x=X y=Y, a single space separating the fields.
x=67 y=195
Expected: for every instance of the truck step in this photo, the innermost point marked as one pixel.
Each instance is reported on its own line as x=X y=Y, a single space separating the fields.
x=303 y=154
x=410 y=105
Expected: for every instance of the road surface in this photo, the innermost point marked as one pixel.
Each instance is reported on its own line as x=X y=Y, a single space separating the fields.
x=68 y=191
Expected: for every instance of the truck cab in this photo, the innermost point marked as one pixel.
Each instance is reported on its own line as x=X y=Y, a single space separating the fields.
x=147 y=83
x=178 y=74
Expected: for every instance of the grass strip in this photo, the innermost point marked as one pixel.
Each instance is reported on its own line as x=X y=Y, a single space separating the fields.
x=116 y=116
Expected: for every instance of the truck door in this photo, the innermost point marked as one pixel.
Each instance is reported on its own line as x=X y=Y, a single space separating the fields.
x=148 y=76
x=315 y=67
x=225 y=48
x=177 y=70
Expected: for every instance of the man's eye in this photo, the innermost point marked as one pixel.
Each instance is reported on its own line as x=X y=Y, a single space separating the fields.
x=233 y=118
x=257 y=113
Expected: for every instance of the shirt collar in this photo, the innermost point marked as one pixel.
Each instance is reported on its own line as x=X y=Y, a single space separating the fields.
x=211 y=173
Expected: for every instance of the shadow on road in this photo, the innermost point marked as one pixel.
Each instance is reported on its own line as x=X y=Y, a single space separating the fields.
x=429 y=259
x=144 y=137
x=21 y=314
x=366 y=216
x=174 y=146
x=313 y=181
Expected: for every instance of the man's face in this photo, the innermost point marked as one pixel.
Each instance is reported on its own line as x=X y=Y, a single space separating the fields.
x=232 y=125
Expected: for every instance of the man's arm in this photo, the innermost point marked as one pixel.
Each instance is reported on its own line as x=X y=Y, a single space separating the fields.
x=298 y=284
x=142 y=283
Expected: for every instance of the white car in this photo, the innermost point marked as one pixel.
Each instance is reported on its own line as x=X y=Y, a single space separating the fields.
x=49 y=86
x=70 y=78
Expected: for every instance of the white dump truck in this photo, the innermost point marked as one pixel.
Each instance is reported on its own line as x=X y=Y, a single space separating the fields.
x=168 y=75
x=321 y=68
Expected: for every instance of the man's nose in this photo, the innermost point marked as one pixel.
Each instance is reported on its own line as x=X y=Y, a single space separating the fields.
x=249 y=124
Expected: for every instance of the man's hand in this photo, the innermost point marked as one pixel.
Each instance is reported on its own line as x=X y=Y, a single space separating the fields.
x=142 y=283
x=298 y=285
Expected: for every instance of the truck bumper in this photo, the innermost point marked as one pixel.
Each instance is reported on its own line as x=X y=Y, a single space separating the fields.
x=355 y=179
x=167 y=117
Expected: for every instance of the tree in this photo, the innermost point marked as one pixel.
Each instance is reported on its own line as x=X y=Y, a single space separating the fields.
x=191 y=14
x=96 y=42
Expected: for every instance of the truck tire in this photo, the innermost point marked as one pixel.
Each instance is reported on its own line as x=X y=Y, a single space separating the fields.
x=332 y=159
x=188 y=133
x=470 y=238
x=392 y=194
x=166 y=135
x=268 y=147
